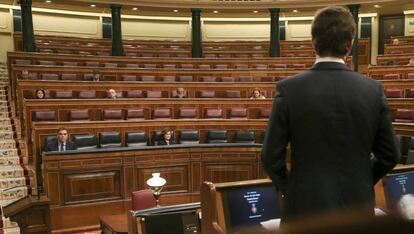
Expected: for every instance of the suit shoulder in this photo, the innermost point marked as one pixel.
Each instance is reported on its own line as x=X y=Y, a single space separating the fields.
x=293 y=79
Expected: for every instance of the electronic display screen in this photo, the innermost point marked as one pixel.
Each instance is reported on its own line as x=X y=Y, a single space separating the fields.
x=399 y=193
x=251 y=206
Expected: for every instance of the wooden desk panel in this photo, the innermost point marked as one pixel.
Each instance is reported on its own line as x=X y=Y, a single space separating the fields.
x=183 y=171
x=377 y=72
x=401 y=59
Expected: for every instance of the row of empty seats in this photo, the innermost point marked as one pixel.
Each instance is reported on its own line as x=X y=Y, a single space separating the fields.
x=404 y=115
x=151 y=78
x=139 y=138
x=163 y=65
x=407 y=149
x=399 y=93
x=156 y=113
x=393 y=76
x=90 y=94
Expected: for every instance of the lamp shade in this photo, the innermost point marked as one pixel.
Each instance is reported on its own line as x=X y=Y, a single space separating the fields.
x=156 y=180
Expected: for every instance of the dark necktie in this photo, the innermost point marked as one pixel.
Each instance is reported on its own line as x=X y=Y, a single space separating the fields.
x=62 y=148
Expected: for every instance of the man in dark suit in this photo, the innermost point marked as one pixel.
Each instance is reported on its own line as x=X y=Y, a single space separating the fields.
x=338 y=126
x=61 y=143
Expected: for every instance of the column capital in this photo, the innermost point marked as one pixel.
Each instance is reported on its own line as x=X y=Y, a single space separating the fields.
x=274 y=10
x=115 y=6
x=25 y=2
x=354 y=7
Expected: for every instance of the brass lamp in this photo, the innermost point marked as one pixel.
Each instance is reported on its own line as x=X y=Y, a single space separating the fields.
x=156 y=184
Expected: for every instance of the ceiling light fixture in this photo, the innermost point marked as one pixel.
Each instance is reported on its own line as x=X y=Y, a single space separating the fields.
x=255 y=12
x=48 y=1
x=215 y=12
x=175 y=11
x=134 y=9
x=295 y=11
x=93 y=5
x=377 y=6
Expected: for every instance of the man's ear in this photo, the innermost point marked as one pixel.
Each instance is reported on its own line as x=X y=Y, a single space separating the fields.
x=348 y=49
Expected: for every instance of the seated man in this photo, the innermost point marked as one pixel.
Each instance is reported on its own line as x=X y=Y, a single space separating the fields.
x=112 y=94
x=61 y=143
x=181 y=93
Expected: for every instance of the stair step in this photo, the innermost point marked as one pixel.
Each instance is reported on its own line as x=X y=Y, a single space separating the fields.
x=6 y=183
x=7 y=144
x=8 y=153
x=12 y=171
x=14 y=193
x=6 y=135
x=7 y=224
x=8 y=161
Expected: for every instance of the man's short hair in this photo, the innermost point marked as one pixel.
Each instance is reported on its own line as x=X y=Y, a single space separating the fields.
x=61 y=129
x=333 y=30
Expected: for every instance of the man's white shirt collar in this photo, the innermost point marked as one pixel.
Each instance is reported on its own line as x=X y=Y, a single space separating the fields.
x=329 y=59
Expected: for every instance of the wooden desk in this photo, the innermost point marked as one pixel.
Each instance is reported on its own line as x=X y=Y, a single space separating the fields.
x=114 y=224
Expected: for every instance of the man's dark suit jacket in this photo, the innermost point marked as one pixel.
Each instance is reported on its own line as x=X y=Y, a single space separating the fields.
x=333 y=119
x=53 y=145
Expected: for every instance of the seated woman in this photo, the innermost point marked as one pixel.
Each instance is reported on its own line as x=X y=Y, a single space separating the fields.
x=181 y=93
x=166 y=135
x=411 y=62
x=257 y=94
x=40 y=94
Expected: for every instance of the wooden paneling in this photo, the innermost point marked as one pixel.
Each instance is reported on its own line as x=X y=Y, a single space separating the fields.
x=89 y=188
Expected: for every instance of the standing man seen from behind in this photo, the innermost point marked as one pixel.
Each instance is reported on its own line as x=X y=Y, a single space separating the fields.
x=61 y=143
x=338 y=126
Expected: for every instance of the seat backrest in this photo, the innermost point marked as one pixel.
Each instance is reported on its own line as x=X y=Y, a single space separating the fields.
x=244 y=137
x=68 y=76
x=143 y=199
x=238 y=112
x=233 y=94
x=168 y=66
x=245 y=79
x=410 y=75
x=189 y=137
x=207 y=93
x=70 y=64
x=110 y=65
x=185 y=78
x=132 y=65
x=47 y=63
x=168 y=78
x=222 y=66
x=112 y=114
x=22 y=62
x=213 y=113
x=88 y=76
x=242 y=66
x=150 y=65
x=187 y=113
x=154 y=94
x=137 y=113
x=156 y=137
x=129 y=77
x=264 y=113
x=79 y=115
x=92 y=64
x=85 y=94
x=217 y=136
x=267 y=79
x=84 y=142
x=393 y=93
x=279 y=65
x=391 y=76
x=49 y=76
x=227 y=79
x=109 y=139
x=161 y=113
x=187 y=66
x=208 y=79
x=63 y=94
x=260 y=66
x=148 y=78
x=204 y=66
x=44 y=115
x=133 y=139
x=134 y=94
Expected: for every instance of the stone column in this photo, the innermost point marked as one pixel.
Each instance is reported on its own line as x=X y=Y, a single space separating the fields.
x=27 y=26
x=117 y=47
x=274 y=47
x=196 y=49
x=354 y=9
